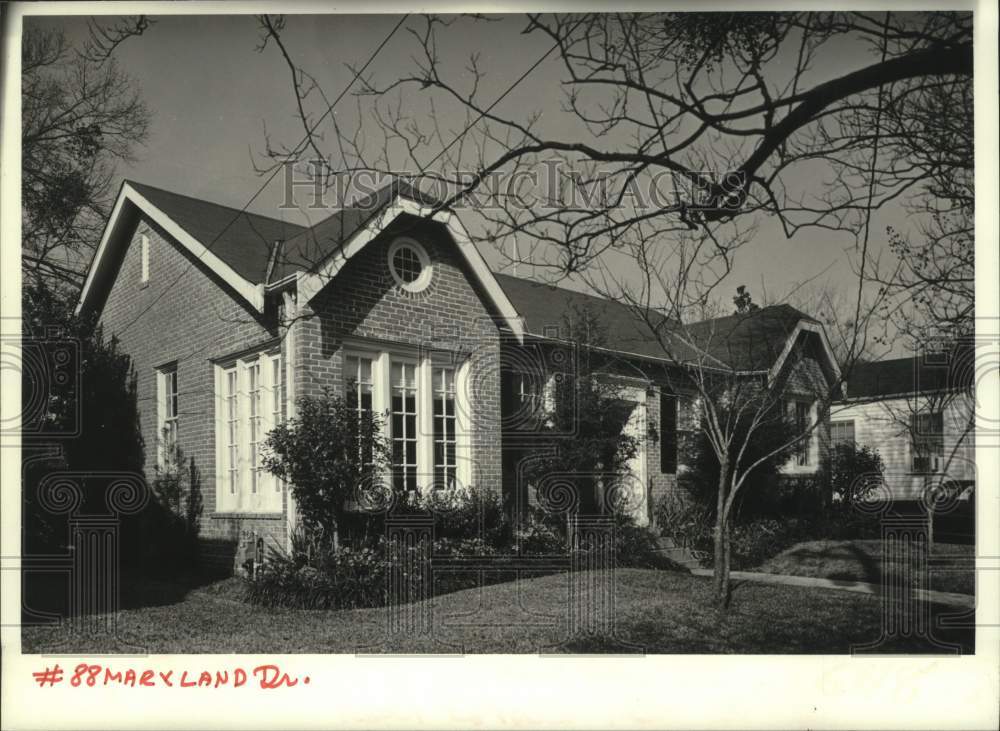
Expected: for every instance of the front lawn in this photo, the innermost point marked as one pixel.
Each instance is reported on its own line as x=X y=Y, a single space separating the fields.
x=656 y=612
x=952 y=568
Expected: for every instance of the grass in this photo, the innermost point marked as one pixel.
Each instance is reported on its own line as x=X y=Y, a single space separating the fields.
x=656 y=612
x=951 y=569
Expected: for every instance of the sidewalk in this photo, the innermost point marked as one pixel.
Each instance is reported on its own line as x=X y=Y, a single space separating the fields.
x=938 y=597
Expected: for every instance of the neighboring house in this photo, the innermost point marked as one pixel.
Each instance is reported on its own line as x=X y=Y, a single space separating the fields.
x=918 y=412
x=231 y=317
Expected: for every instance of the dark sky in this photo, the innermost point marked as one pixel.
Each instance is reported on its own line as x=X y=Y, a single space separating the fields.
x=212 y=94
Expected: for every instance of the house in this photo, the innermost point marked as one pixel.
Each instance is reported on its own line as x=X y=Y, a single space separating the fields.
x=918 y=412
x=230 y=317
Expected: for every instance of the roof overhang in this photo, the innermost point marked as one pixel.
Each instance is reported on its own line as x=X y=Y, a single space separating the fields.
x=801 y=327
x=310 y=283
x=116 y=234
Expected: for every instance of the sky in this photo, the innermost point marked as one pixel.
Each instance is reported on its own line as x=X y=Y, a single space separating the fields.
x=213 y=94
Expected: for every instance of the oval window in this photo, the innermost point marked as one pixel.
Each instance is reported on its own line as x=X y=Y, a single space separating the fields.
x=409 y=265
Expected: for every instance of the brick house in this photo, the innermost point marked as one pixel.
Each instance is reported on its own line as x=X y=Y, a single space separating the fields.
x=230 y=317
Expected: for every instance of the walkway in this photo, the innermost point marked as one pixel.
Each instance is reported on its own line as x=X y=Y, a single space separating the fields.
x=964 y=601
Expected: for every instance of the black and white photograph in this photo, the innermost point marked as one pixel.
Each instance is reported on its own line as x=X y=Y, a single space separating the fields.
x=413 y=339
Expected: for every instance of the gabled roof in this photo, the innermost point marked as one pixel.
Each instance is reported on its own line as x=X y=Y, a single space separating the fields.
x=242 y=248
x=249 y=252
x=309 y=247
x=751 y=341
x=545 y=309
x=243 y=240
x=925 y=373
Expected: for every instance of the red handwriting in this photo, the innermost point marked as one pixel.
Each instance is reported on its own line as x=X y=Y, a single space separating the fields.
x=91 y=675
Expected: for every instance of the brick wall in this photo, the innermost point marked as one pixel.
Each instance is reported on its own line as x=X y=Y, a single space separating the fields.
x=185 y=314
x=364 y=302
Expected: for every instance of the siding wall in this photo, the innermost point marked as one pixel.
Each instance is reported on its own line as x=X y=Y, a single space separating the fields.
x=883 y=425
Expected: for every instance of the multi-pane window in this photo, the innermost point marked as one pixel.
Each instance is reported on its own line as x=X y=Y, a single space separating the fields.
x=403 y=385
x=416 y=399
x=842 y=433
x=254 y=418
x=277 y=399
x=358 y=385
x=232 y=416
x=522 y=399
x=358 y=382
x=927 y=437
x=249 y=404
x=444 y=427
x=802 y=424
x=169 y=413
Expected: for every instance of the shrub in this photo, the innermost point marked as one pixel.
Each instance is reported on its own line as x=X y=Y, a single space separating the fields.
x=469 y=514
x=329 y=456
x=854 y=472
x=754 y=542
x=685 y=520
x=761 y=494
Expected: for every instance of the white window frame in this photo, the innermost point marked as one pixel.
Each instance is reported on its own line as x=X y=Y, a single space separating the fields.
x=811 y=464
x=426 y=270
x=167 y=410
x=143 y=258
x=839 y=423
x=382 y=357
x=242 y=484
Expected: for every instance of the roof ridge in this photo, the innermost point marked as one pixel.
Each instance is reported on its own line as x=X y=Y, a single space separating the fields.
x=591 y=295
x=282 y=221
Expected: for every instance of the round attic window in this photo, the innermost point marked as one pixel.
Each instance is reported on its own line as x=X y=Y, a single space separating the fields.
x=409 y=264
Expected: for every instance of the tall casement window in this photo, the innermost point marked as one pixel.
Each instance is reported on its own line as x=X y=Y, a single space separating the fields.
x=231 y=407
x=927 y=441
x=444 y=427
x=668 y=433
x=842 y=433
x=249 y=403
x=167 y=413
x=802 y=415
x=404 y=426
x=420 y=397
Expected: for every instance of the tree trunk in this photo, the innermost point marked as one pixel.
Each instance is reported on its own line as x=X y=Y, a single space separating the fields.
x=721 y=545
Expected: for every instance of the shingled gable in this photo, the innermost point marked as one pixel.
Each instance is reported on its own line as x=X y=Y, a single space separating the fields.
x=760 y=340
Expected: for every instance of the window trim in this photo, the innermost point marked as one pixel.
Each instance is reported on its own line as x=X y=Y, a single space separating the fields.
x=164 y=375
x=811 y=446
x=143 y=258
x=241 y=489
x=834 y=423
x=426 y=272
x=936 y=440
x=383 y=355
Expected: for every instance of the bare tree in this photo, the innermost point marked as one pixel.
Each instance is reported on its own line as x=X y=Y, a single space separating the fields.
x=937 y=417
x=688 y=127
x=80 y=117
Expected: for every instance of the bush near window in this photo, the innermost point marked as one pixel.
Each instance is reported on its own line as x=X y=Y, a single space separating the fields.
x=330 y=456
x=317 y=575
x=854 y=472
